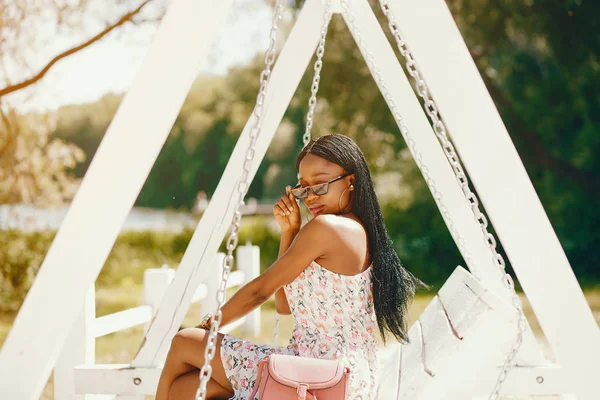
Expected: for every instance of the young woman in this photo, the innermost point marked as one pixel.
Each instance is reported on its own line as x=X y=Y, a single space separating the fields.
x=338 y=275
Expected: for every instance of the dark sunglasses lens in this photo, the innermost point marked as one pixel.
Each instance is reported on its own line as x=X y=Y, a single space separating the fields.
x=321 y=189
x=299 y=193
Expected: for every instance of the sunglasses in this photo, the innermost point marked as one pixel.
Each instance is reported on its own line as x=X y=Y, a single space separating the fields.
x=301 y=192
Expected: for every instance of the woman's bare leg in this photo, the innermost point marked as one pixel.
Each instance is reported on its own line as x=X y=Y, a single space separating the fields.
x=185 y=355
x=185 y=387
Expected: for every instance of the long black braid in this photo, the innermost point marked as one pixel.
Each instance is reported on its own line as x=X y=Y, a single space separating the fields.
x=393 y=286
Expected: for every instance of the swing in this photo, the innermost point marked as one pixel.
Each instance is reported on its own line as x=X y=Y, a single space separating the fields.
x=464 y=342
x=463 y=319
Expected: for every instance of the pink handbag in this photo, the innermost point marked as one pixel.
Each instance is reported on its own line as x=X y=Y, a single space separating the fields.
x=283 y=377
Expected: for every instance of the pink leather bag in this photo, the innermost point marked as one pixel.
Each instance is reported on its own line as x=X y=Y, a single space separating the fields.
x=283 y=377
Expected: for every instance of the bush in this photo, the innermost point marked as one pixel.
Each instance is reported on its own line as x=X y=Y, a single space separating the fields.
x=22 y=254
x=20 y=259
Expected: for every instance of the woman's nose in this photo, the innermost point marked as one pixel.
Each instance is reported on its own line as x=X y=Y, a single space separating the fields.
x=311 y=196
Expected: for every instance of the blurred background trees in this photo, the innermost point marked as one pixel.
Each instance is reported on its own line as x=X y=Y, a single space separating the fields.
x=540 y=60
x=35 y=165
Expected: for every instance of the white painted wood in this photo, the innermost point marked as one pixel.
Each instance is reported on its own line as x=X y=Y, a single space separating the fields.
x=521 y=381
x=236 y=278
x=239 y=278
x=212 y=282
x=80 y=348
x=116 y=378
x=447 y=349
x=505 y=189
x=200 y=293
x=527 y=381
x=390 y=359
x=156 y=281
x=109 y=189
x=248 y=261
x=439 y=326
x=118 y=321
x=384 y=62
x=215 y=221
x=402 y=94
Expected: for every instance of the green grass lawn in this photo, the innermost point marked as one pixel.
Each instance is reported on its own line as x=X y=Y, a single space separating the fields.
x=119 y=348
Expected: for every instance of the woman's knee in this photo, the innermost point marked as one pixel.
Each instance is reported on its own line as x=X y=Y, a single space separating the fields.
x=188 y=340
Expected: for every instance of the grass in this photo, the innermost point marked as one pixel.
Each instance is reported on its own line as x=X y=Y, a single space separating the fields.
x=120 y=347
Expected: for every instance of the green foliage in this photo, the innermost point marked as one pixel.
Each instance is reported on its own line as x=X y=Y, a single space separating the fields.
x=20 y=258
x=261 y=232
x=540 y=61
x=22 y=254
x=35 y=168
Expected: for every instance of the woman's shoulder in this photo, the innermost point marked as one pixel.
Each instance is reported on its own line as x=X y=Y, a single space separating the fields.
x=334 y=223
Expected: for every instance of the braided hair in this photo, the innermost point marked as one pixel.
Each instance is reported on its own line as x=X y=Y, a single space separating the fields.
x=393 y=286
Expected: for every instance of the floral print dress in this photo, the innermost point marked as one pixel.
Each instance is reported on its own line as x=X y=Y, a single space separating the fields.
x=333 y=318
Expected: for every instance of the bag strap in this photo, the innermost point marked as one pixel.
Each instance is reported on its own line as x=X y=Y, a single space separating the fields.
x=261 y=367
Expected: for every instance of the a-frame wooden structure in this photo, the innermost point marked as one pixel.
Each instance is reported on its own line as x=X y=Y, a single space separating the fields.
x=143 y=122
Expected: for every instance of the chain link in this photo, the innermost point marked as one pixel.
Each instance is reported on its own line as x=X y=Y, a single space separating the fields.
x=418 y=157
x=441 y=132
x=242 y=189
x=276 y=328
x=312 y=102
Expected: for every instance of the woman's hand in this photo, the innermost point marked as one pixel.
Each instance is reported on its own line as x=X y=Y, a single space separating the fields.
x=287 y=212
x=205 y=323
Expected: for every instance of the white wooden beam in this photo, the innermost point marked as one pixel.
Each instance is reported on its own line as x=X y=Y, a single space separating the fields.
x=527 y=381
x=505 y=189
x=116 y=378
x=119 y=378
x=383 y=62
x=457 y=338
x=466 y=325
x=107 y=193
x=286 y=75
x=118 y=321
x=80 y=348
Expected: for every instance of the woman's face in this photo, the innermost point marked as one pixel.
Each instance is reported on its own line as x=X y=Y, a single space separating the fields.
x=314 y=170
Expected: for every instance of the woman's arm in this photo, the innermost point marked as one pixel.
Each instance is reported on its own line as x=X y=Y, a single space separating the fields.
x=310 y=243
x=281 y=303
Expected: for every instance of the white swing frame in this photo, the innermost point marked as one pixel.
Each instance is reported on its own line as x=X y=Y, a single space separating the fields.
x=146 y=115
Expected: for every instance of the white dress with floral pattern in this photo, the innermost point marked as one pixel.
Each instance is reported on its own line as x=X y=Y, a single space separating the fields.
x=333 y=318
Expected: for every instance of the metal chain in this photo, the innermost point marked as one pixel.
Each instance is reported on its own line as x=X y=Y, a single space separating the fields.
x=276 y=328
x=437 y=195
x=242 y=188
x=440 y=130
x=312 y=102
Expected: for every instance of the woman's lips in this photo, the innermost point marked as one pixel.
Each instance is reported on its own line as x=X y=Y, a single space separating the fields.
x=316 y=210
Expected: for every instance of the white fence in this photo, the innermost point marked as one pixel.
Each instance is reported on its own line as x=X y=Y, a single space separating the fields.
x=79 y=349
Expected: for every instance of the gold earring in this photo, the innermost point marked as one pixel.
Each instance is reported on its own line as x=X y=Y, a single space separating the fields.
x=340 y=199
x=351 y=187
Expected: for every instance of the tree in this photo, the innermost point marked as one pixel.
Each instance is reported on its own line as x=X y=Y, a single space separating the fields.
x=540 y=62
x=19 y=39
x=34 y=167
x=540 y=65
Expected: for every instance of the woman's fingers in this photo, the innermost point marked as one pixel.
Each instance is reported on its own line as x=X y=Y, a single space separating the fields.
x=285 y=207
x=278 y=209
x=291 y=200
x=286 y=202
